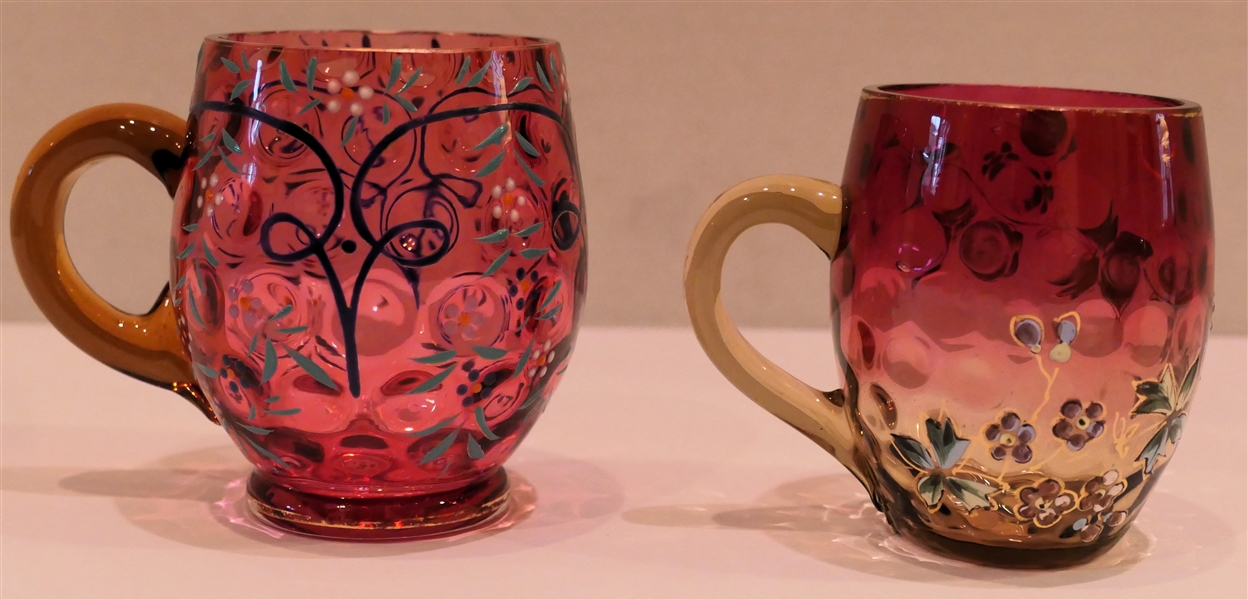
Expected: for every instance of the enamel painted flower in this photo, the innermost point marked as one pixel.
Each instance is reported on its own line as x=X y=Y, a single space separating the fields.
x=936 y=467
x=1164 y=396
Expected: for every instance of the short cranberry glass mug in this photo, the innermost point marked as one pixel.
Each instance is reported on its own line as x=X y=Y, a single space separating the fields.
x=1021 y=289
x=378 y=263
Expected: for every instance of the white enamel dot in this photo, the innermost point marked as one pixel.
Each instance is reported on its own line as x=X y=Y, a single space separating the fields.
x=546 y=346
x=357 y=108
x=219 y=199
x=515 y=215
x=532 y=372
x=498 y=212
x=350 y=78
x=203 y=182
x=541 y=372
x=498 y=191
x=521 y=201
x=511 y=184
x=199 y=201
x=334 y=105
x=213 y=179
x=334 y=86
x=365 y=92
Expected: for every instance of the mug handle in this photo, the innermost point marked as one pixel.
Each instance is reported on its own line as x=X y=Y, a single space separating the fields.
x=146 y=347
x=813 y=207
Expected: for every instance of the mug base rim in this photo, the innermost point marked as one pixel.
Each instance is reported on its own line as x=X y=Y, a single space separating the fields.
x=1003 y=557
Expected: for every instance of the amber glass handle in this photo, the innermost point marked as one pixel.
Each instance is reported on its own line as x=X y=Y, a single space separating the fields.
x=812 y=207
x=146 y=346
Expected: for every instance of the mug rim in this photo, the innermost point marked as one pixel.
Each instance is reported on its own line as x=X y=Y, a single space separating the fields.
x=906 y=91
x=530 y=42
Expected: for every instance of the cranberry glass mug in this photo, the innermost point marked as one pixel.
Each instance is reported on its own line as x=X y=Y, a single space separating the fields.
x=378 y=263
x=1021 y=289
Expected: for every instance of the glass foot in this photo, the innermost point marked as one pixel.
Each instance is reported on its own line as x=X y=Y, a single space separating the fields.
x=362 y=519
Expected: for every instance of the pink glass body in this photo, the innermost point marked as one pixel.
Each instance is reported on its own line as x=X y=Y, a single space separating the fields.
x=379 y=254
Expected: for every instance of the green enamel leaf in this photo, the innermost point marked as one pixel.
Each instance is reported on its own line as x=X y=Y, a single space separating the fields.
x=195 y=310
x=483 y=426
x=177 y=301
x=524 y=357
x=254 y=429
x=551 y=313
x=528 y=148
x=311 y=73
x=242 y=61
x=265 y=453
x=435 y=359
x=208 y=138
x=230 y=65
x=931 y=489
x=474 y=448
x=203 y=160
x=945 y=441
x=239 y=88
x=255 y=339
x=554 y=290
x=497 y=236
x=495 y=137
x=272 y=399
x=310 y=367
x=251 y=413
x=410 y=81
x=972 y=493
x=463 y=70
x=190 y=228
x=285 y=412
x=1154 y=448
x=350 y=131
x=290 y=330
x=207 y=370
x=480 y=74
x=528 y=231
x=433 y=429
x=199 y=277
x=385 y=114
x=229 y=165
x=1153 y=399
x=408 y=106
x=541 y=76
x=1189 y=381
x=287 y=82
x=489 y=167
x=913 y=452
x=433 y=382
x=520 y=85
x=440 y=449
x=395 y=66
x=528 y=171
x=554 y=73
x=186 y=251
x=270 y=361
x=309 y=106
x=533 y=396
x=285 y=310
x=497 y=264
x=532 y=253
x=489 y=353
x=181 y=282
x=208 y=255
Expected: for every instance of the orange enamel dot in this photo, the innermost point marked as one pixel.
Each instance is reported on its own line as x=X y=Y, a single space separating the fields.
x=244 y=302
x=348 y=93
x=463 y=319
x=476 y=387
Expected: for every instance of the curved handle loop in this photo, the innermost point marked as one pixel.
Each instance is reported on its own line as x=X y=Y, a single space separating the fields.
x=148 y=346
x=813 y=207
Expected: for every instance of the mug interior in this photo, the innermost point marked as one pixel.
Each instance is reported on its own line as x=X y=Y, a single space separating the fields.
x=1009 y=95
x=387 y=41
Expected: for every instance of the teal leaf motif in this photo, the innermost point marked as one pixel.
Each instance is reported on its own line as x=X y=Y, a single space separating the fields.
x=1154 y=448
x=285 y=412
x=255 y=339
x=239 y=88
x=410 y=81
x=195 y=310
x=435 y=359
x=256 y=430
x=489 y=166
x=395 y=67
x=385 y=114
x=230 y=65
x=463 y=70
x=181 y=282
x=229 y=165
x=203 y=160
x=207 y=370
x=520 y=85
x=489 y=353
x=495 y=137
x=433 y=429
x=242 y=61
x=1189 y=380
x=528 y=171
x=229 y=142
x=285 y=310
x=440 y=449
x=408 y=106
x=208 y=138
x=350 y=131
x=287 y=82
x=480 y=74
x=554 y=73
x=554 y=291
x=524 y=358
x=533 y=396
x=309 y=106
x=310 y=367
x=177 y=301
x=474 y=448
x=913 y=452
x=272 y=399
x=199 y=278
x=251 y=412
x=433 y=382
x=208 y=255
x=532 y=253
x=528 y=231
x=551 y=313
x=190 y=228
x=528 y=148
x=945 y=441
x=497 y=264
x=972 y=493
x=311 y=73
x=187 y=251
x=541 y=76
x=497 y=236
x=270 y=361
x=290 y=330
x=931 y=489
x=483 y=425
x=265 y=453
x=1153 y=399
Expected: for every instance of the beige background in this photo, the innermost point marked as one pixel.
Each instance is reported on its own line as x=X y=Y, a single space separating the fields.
x=673 y=102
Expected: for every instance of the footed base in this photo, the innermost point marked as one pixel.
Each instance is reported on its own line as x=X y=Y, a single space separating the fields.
x=379 y=519
x=1003 y=557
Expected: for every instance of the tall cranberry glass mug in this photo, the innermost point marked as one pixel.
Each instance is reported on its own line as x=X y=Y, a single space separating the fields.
x=378 y=263
x=1020 y=298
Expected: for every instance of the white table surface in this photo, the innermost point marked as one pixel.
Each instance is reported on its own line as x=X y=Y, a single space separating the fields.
x=652 y=477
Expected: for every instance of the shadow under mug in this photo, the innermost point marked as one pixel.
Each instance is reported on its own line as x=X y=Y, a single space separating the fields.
x=1021 y=284
x=377 y=264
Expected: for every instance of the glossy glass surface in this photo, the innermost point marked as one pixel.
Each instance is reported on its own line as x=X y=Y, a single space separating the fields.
x=379 y=256
x=1021 y=298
